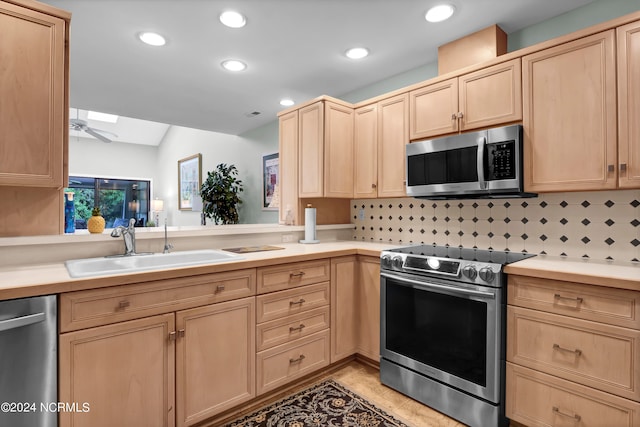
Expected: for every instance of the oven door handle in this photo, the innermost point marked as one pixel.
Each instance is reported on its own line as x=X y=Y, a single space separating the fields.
x=447 y=289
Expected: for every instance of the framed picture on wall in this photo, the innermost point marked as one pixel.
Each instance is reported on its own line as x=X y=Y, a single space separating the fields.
x=189 y=180
x=270 y=181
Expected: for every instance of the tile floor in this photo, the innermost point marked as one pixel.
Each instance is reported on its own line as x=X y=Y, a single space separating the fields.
x=365 y=381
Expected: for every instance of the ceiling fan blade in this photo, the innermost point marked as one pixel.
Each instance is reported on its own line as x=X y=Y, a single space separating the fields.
x=97 y=135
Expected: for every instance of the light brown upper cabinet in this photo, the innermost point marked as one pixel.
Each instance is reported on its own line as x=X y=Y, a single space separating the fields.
x=33 y=95
x=486 y=97
x=325 y=144
x=381 y=133
x=570 y=116
x=629 y=105
x=288 y=167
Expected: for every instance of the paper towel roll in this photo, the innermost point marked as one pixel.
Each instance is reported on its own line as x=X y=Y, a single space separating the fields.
x=309 y=226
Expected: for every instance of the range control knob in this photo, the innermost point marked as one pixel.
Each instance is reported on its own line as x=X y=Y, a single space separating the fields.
x=397 y=262
x=487 y=274
x=470 y=272
x=385 y=261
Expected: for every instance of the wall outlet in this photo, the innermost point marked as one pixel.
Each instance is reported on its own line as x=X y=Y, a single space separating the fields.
x=361 y=214
x=288 y=238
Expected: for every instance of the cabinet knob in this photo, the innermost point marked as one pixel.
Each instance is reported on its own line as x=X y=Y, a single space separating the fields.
x=454 y=116
x=557 y=410
x=123 y=304
x=611 y=168
x=298 y=328
x=623 y=167
x=460 y=115
x=373 y=186
x=219 y=289
x=300 y=301
x=299 y=274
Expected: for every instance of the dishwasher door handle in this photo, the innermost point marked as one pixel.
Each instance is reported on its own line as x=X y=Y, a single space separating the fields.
x=18 y=322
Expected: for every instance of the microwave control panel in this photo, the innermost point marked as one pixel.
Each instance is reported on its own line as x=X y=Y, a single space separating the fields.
x=501 y=159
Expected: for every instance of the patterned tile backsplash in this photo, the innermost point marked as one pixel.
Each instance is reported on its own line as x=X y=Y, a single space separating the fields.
x=598 y=225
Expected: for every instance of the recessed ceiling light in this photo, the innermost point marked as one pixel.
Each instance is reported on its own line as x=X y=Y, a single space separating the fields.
x=440 y=13
x=153 y=39
x=286 y=102
x=357 y=53
x=234 y=65
x=102 y=117
x=233 y=19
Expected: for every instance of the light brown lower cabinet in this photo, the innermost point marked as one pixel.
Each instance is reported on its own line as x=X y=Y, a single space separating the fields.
x=215 y=368
x=572 y=354
x=124 y=372
x=536 y=399
x=355 y=307
x=172 y=369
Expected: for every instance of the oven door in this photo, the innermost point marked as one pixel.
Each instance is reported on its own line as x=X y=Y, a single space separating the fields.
x=445 y=330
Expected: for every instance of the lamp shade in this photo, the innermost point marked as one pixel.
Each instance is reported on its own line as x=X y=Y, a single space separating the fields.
x=157 y=205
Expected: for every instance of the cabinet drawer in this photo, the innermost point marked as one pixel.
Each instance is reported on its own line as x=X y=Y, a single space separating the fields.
x=284 y=303
x=280 y=365
x=601 y=304
x=95 y=307
x=292 y=275
x=539 y=400
x=589 y=353
x=290 y=328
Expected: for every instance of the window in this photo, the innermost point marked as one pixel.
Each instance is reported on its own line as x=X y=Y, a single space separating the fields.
x=118 y=199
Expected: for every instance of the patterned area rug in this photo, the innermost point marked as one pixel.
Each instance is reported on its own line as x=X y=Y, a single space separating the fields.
x=327 y=404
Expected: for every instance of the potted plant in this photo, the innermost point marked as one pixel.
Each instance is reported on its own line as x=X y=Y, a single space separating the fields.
x=220 y=194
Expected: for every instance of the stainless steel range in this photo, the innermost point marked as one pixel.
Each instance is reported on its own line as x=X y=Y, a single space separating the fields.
x=443 y=327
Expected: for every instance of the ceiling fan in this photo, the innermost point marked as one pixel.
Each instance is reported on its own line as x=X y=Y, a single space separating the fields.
x=83 y=125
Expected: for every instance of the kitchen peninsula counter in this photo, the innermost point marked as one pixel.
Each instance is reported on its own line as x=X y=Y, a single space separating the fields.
x=53 y=278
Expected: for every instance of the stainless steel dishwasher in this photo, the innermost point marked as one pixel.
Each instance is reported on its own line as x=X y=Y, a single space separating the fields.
x=28 y=362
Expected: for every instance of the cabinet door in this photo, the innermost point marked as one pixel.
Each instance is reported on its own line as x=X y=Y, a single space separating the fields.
x=288 y=167
x=338 y=151
x=491 y=96
x=629 y=105
x=569 y=111
x=32 y=97
x=434 y=109
x=344 y=297
x=124 y=372
x=215 y=359
x=366 y=152
x=311 y=150
x=369 y=307
x=393 y=135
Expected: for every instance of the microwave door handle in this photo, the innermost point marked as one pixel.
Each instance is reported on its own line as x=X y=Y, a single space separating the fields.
x=482 y=143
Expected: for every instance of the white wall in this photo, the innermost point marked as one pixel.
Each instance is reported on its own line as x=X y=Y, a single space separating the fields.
x=245 y=152
x=90 y=157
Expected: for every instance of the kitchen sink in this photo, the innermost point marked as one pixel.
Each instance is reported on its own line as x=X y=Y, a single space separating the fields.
x=90 y=267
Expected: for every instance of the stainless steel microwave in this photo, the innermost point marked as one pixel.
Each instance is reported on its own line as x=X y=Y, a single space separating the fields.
x=483 y=164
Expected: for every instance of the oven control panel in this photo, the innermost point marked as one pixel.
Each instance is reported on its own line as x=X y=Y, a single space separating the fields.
x=462 y=270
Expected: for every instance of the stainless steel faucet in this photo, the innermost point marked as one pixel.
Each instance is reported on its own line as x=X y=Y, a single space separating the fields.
x=128 y=235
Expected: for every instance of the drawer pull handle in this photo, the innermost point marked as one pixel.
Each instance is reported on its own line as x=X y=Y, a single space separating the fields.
x=300 y=301
x=123 y=304
x=299 y=274
x=576 y=417
x=298 y=360
x=299 y=328
x=578 y=300
x=576 y=351
x=219 y=289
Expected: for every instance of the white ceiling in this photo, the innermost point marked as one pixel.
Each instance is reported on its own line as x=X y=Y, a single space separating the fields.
x=126 y=129
x=293 y=48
